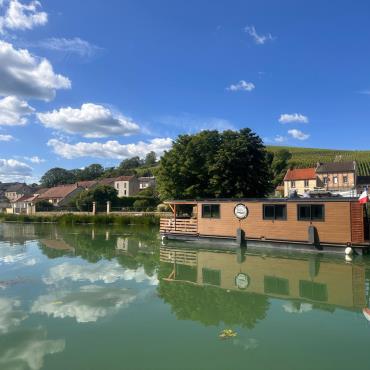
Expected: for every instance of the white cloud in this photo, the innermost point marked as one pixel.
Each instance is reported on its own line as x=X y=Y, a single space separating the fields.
x=10 y=316
x=280 y=139
x=35 y=159
x=86 y=305
x=14 y=111
x=75 y=45
x=294 y=117
x=241 y=86
x=14 y=170
x=23 y=74
x=6 y=137
x=258 y=39
x=297 y=134
x=189 y=123
x=110 y=149
x=107 y=272
x=91 y=120
x=20 y=16
x=26 y=349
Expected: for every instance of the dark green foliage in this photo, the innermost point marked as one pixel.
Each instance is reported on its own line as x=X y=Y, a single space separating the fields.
x=214 y=164
x=71 y=219
x=57 y=176
x=100 y=194
x=150 y=159
x=44 y=206
x=279 y=165
x=212 y=305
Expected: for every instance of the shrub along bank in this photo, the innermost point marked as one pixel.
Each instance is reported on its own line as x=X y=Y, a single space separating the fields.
x=71 y=219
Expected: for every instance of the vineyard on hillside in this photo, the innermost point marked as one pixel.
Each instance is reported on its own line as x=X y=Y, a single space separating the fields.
x=308 y=157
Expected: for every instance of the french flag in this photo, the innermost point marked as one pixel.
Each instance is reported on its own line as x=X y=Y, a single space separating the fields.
x=364 y=197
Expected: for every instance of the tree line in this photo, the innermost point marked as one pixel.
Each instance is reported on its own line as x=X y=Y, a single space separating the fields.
x=209 y=164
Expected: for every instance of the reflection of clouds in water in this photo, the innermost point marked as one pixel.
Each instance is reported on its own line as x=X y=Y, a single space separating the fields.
x=26 y=350
x=106 y=271
x=10 y=315
x=31 y=262
x=12 y=258
x=247 y=344
x=290 y=307
x=88 y=304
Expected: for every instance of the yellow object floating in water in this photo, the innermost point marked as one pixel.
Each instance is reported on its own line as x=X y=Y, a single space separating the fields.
x=227 y=333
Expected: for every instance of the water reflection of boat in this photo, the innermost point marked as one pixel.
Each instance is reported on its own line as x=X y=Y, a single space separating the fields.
x=321 y=282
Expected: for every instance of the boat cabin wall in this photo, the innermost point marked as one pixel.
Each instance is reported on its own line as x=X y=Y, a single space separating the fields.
x=335 y=228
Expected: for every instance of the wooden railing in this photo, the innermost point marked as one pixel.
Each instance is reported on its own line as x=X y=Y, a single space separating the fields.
x=179 y=225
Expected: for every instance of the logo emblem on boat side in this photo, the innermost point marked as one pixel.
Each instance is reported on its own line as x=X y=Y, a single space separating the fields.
x=240 y=211
x=242 y=281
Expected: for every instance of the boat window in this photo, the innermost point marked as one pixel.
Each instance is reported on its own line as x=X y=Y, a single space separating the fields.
x=313 y=291
x=211 y=277
x=310 y=212
x=210 y=210
x=274 y=212
x=275 y=285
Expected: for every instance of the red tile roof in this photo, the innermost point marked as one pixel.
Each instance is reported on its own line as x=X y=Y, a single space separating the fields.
x=124 y=178
x=107 y=181
x=87 y=183
x=300 y=174
x=58 y=191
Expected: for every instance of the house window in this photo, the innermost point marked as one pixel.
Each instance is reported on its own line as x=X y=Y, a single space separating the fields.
x=275 y=285
x=125 y=192
x=125 y=185
x=210 y=210
x=325 y=179
x=211 y=277
x=335 y=179
x=310 y=212
x=345 y=179
x=313 y=291
x=117 y=185
x=292 y=184
x=274 y=212
x=306 y=183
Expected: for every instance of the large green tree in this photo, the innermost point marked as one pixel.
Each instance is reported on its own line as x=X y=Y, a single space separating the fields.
x=57 y=176
x=214 y=164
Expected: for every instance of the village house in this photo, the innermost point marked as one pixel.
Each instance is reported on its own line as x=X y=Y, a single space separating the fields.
x=127 y=186
x=60 y=195
x=147 y=182
x=300 y=180
x=337 y=176
x=16 y=191
x=24 y=205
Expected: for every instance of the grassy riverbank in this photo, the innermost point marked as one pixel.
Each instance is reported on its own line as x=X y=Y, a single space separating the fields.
x=73 y=219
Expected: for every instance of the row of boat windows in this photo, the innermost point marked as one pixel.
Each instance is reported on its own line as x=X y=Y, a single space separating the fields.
x=275 y=285
x=272 y=284
x=305 y=212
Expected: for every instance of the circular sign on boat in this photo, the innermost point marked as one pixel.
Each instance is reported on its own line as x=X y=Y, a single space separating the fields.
x=242 y=281
x=240 y=211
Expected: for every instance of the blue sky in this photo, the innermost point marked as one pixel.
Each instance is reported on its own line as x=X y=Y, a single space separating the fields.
x=95 y=82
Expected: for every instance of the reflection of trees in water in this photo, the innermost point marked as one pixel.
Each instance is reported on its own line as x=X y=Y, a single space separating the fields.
x=96 y=243
x=211 y=305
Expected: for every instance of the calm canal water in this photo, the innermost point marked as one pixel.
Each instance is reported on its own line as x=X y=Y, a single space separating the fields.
x=83 y=298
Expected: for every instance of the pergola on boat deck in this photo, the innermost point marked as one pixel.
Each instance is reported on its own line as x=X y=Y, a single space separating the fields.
x=329 y=224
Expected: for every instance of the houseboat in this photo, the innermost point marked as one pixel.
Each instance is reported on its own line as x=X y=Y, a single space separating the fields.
x=330 y=224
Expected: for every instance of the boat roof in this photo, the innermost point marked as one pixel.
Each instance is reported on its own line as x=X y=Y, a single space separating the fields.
x=262 y=200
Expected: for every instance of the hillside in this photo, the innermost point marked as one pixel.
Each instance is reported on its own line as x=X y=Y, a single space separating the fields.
x=308 y=157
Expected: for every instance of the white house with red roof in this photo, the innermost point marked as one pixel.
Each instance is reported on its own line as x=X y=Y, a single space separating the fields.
x=300 y=180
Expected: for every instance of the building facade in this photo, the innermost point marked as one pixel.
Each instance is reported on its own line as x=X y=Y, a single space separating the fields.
x=147 y=182
x=16 y=191
x=300 y=181
x=60 y=195
x=337 y=176
x=127 y=186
